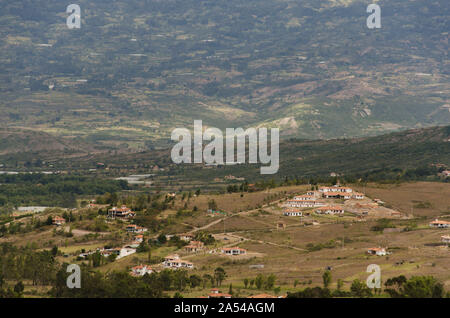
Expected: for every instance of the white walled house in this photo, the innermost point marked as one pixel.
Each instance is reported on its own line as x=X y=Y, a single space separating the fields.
x=132 y=228
x=292 y=213
x=233 y=251
x=141 y=270
x=379 y=251
x=440 y=224
x=330 y=210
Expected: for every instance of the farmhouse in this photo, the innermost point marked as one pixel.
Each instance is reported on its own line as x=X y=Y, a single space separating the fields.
x=233 y=251
x=330 y=210
x=132 y=228
x=376 y=251
x=172 y=257
x=122 y=212
x=141 y=270
x=194 y=246
x=440 y=224
x=446 y=173
x=175 y=263
x=110 y=251
x=57 y=220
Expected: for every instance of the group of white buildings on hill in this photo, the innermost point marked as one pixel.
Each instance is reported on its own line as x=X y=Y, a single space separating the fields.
x=311 y=200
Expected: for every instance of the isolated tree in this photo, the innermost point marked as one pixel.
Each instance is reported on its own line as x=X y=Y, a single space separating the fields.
x=259 y=281
x=207 y=278
x=270 y=281
x=360 y=289
x=340 y=284
x=18 y=288
x=162 y=239
x=194 y=281
x=246 y=281
x=55 y=250
x=219 y=275
x=326 y=277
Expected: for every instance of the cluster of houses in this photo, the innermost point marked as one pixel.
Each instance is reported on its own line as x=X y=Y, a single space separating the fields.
x=442 y=225
x=311 y=198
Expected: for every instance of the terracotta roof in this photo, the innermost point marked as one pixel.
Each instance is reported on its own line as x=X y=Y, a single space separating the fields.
x=439 y=222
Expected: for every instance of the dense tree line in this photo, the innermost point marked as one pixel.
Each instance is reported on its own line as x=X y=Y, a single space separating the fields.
x=52 y=190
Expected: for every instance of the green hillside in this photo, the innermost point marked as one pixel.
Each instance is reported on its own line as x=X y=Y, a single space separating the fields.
x=136 y=69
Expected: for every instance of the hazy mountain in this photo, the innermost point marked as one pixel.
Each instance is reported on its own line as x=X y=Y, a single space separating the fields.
x=136 y=69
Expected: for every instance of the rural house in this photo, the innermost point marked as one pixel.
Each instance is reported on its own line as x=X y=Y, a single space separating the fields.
x=330 y=210
x=122 y=212
x=57 y=220
x=194 y=246
x=233 y=251
x=132 y=228
x=376 y=251
x=440 y=224
x=141 y=270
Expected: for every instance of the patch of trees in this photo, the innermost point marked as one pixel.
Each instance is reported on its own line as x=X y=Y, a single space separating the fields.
x=52 y=190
